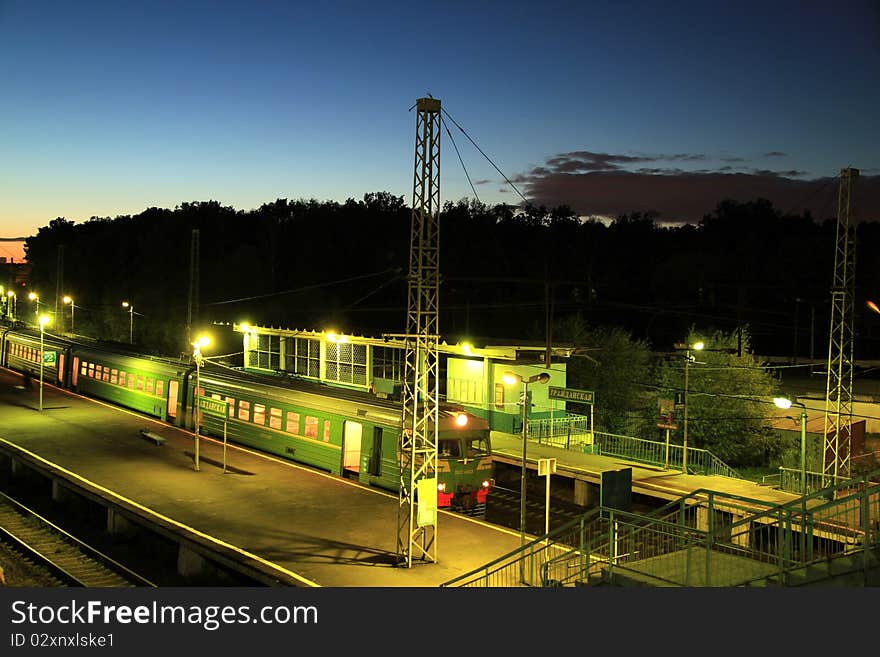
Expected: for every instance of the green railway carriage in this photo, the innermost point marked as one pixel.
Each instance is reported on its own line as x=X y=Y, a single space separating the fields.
x=347 y=433
x=22 y=351
x=149 y=385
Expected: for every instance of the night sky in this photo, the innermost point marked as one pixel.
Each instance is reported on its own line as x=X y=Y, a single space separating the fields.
x=112 y=107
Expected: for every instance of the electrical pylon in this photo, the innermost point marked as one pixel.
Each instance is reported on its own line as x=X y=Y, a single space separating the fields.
x=839 y=392
x=417 y=511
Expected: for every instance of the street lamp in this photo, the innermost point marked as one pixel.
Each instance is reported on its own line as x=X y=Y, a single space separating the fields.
x=68 y=299
x=44 y=319
x=131 y=314
x=10 y=304
x=697 y=346
x=203 y=341
x=35 y=298
x=785 y=403
x=510 y=378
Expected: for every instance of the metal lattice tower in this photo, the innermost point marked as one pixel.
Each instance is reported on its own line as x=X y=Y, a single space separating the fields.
x=839 y=393
x=417 y=532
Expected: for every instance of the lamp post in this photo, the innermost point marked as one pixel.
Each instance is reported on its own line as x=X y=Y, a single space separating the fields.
x=131 y=314
x=784 y=402
x=510 y=379
x=68 y=299
x=10 y=304
x=203 y=341
x=44 y=319
x=697 y=346
x=35 y=299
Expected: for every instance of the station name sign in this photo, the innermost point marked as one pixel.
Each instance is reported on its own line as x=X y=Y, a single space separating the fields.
x=571 y=394
x=213 y=406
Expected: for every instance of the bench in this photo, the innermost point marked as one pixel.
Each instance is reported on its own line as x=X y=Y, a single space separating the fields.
x=152 y=437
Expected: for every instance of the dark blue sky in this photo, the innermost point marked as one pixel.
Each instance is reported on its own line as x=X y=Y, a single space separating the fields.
x=112 y=107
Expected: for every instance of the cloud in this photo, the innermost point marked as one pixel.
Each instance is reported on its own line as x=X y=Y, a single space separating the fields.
x=775 y=154
x=599 y=184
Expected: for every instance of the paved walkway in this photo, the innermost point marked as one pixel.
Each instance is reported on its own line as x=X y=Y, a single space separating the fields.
x=328 y=530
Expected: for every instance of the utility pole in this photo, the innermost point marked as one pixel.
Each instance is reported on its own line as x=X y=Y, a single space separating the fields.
x=417 y=510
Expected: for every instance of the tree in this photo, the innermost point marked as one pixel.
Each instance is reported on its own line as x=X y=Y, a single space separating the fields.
x=617 y=368
x=729 y=398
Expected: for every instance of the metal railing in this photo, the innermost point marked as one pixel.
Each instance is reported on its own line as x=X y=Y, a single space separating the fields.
x=700 y=461
x=571 y=431
x=705 y=538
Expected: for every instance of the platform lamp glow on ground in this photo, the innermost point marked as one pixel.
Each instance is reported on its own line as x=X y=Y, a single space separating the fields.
x=44 y=320
x=510 y=379
x=202 y=341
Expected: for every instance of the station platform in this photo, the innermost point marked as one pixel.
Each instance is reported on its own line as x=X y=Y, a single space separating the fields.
x=648 y=480
x=327 y=531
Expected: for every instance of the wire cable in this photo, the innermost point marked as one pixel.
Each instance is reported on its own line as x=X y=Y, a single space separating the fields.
x=486 y=156
x=452 y=139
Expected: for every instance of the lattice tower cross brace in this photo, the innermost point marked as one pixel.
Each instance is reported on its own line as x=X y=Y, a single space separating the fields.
x=839 y=392
x=418 y=442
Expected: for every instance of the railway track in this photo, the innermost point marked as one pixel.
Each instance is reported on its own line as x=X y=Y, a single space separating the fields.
x=64 y=558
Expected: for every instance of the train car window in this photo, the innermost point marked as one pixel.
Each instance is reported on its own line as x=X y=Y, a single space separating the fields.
x=149 y=387
x=477 y=446
x=160 y=387
x=105 y=376
x=292 y=423
x=99 y=369
x=114 y=376
x=122 y=378
x=140 y=382
x=449 y=449
x=311 y=430
x=275 y=418
x=326 y=431
x=260 y=414
x=131 y=380
x=84 y=368
x=230 y=404
x=244 y=410
x=91 y=370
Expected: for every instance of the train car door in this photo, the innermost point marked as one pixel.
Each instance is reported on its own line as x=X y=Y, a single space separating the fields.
x=74 y=372
x=173 y=388
x=351 y=447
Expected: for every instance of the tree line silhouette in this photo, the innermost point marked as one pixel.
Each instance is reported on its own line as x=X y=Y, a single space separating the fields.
x=508 y=274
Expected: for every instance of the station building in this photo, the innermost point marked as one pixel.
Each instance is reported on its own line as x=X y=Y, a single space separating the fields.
x=470 y=376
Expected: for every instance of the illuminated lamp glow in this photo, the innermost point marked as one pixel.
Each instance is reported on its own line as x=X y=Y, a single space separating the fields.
x=461 y=419
x=203 y=341
x=466 y=347
x=699 y=346
x=441 y=487
x=44 y=319
x=33 y=296
x=873 y=306
x=510 y=378
x=485 y=483
x=782 y=402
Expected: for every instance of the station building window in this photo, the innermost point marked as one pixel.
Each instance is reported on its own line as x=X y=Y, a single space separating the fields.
x=267 y=354
x=346 y=363
x=303 y=357
x=388 y=363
